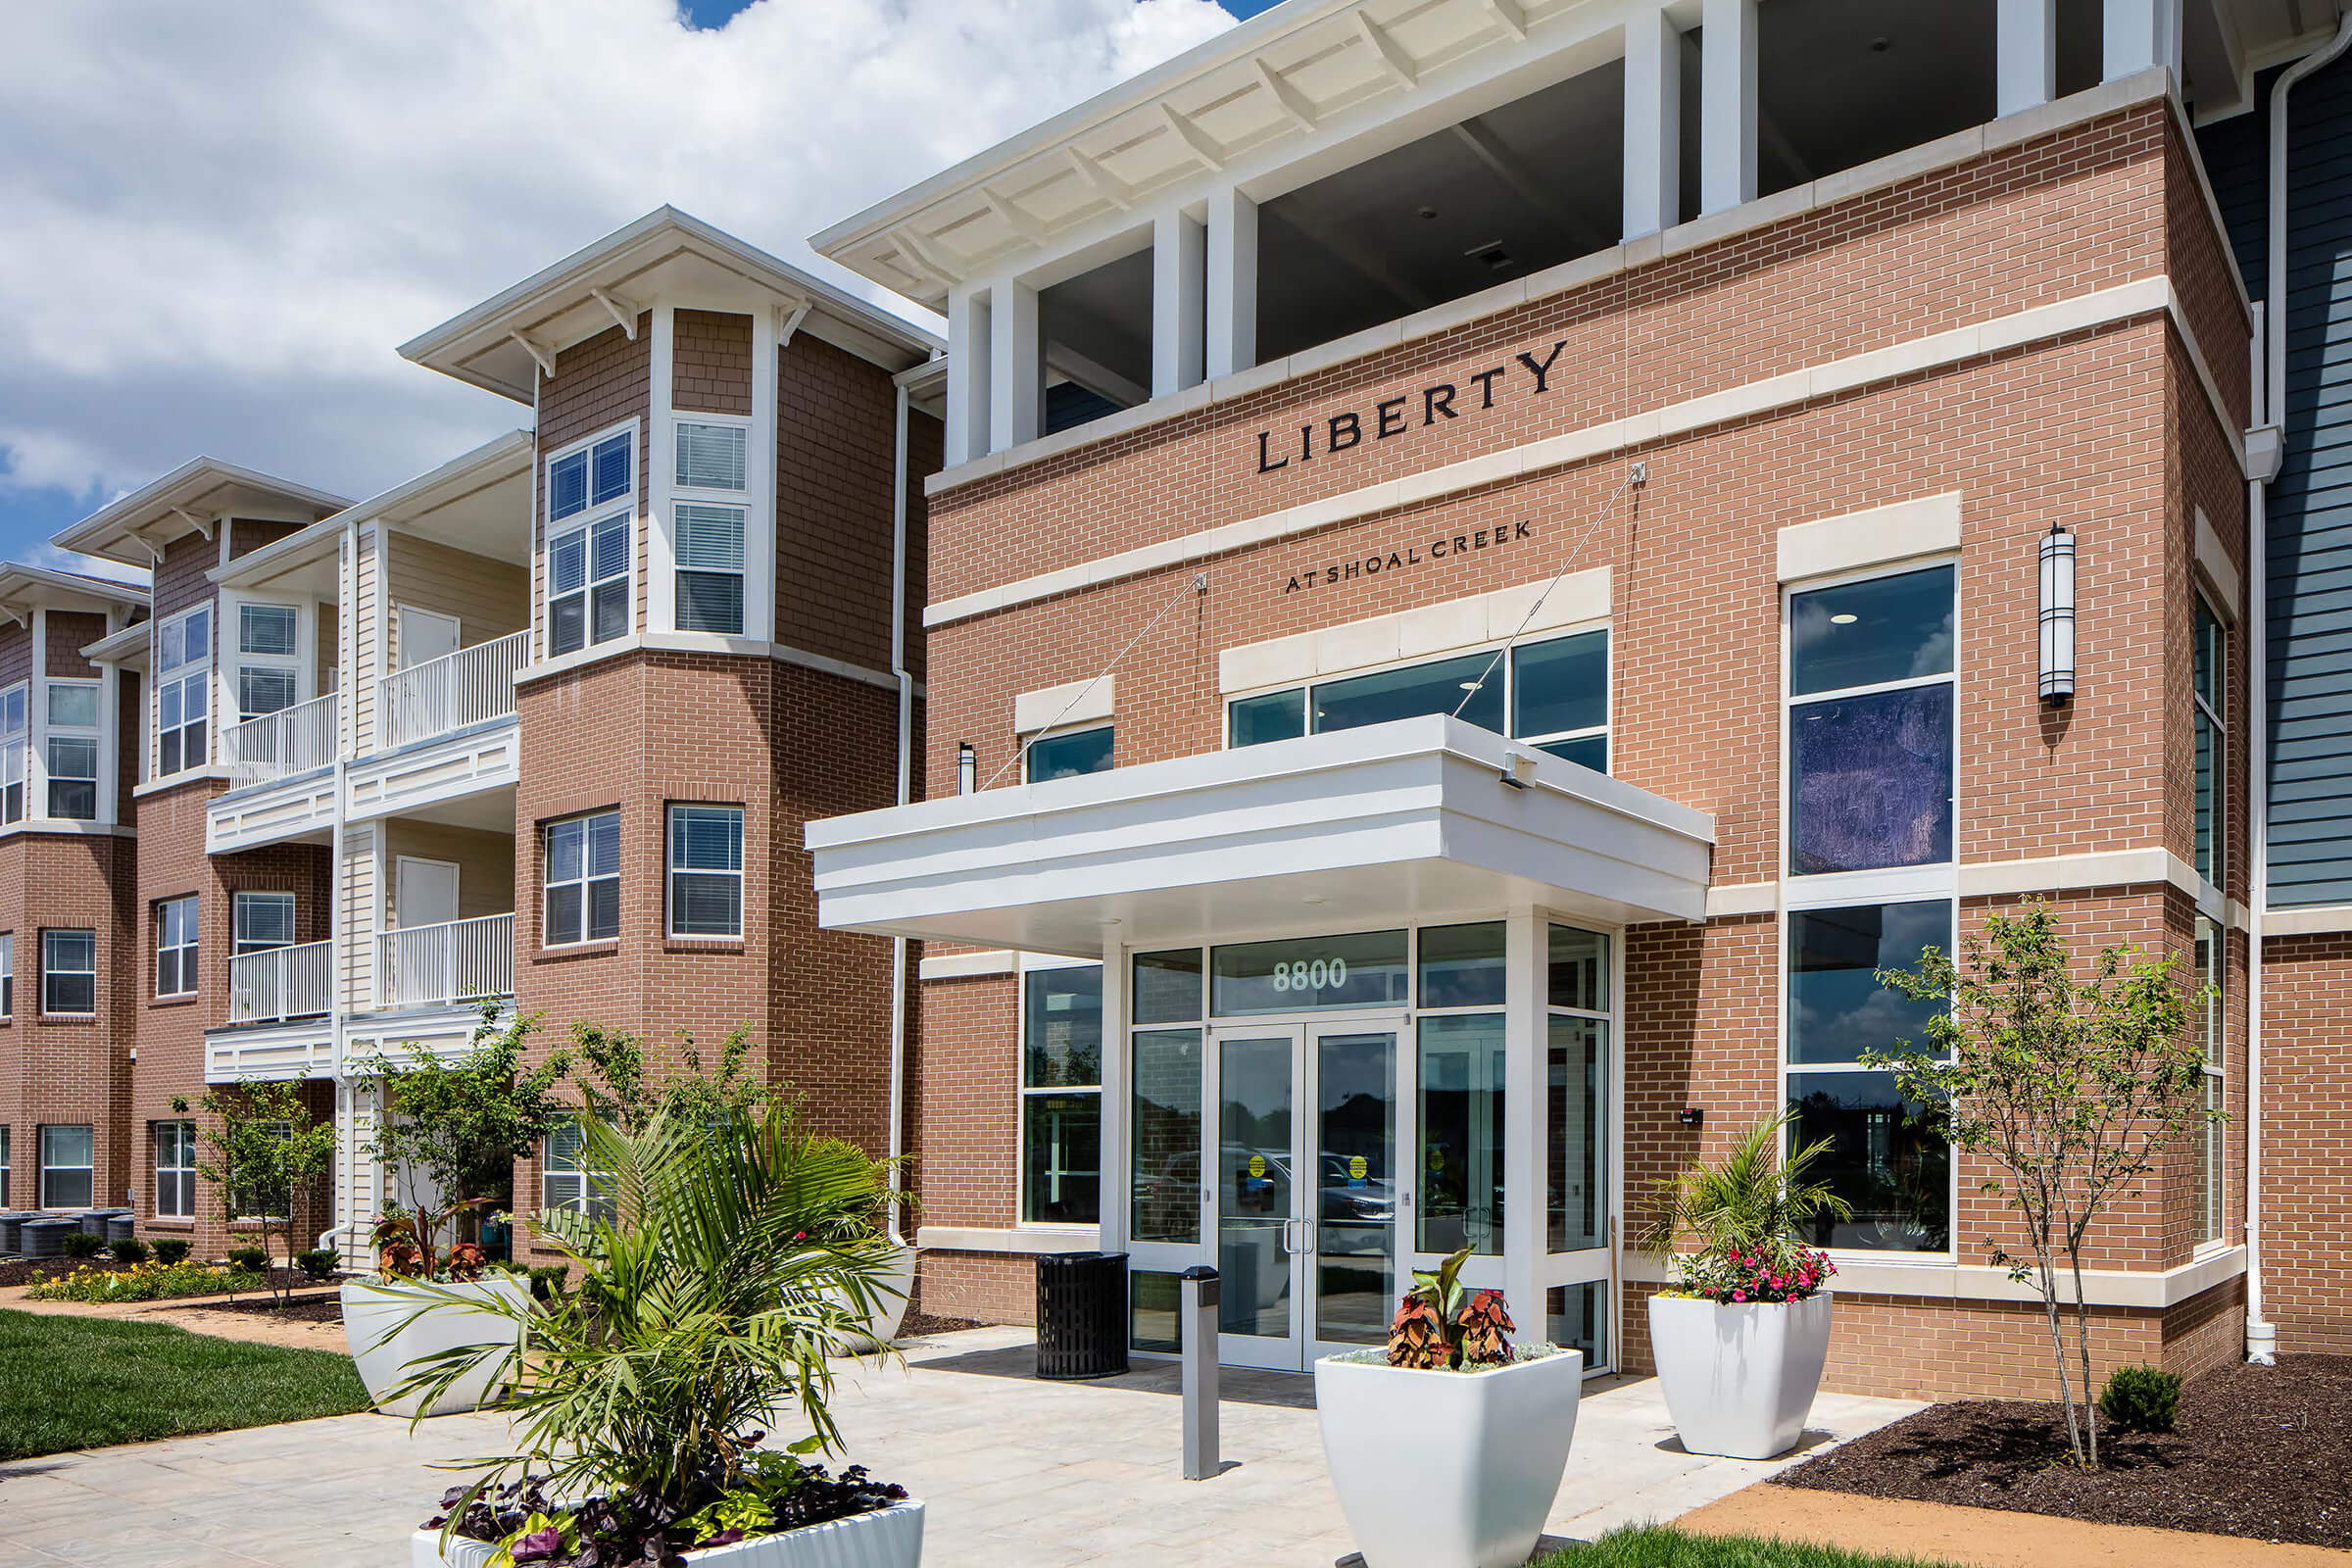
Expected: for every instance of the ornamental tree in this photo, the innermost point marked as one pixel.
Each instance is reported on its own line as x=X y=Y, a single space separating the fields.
x=2071 y=1086
x=265 y=1153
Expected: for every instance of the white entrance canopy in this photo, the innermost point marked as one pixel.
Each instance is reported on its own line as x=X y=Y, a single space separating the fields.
x=1413 y=819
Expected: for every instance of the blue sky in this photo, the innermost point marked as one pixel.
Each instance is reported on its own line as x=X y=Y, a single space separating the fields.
x=224 y=217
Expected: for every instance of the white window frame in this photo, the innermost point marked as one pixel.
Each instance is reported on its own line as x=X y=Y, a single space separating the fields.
x=1505 y=672
x=671 y=870
x=1026 y=1090
x=16 y=738
x=253 y=898
x=181 y=1171
x=572 y=1176
x=585 y=882
x=584 y=522
x=7 y=1170
x=8 y=975
x=48 y=969
x=89 y=1171
x=249 y=659
x=737 y=499
x=2213 y=1149
x=180 y=946
x=1908 y=884
x=2214 y=713
x=93 y=735
x=189 y=673
x=1029 y=746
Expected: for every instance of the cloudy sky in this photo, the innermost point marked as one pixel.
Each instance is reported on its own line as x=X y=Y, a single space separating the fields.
x=222 y=215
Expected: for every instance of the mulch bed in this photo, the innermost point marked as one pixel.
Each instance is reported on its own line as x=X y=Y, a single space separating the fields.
x=302 y=1309
x=2262 y=1452
x=25 y=1270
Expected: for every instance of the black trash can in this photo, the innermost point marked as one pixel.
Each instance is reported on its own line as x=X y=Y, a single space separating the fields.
x=1081 y=1314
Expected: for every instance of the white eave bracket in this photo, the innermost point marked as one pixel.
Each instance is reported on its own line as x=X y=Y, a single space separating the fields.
x=540 y=354
x=789 y=319
x=203 y=526
x=623 y=313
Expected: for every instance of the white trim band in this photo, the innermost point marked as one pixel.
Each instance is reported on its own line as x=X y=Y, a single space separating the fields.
x=1032 y=1239
x=1927 y=527
x=965 y=965
x=2143 y=1290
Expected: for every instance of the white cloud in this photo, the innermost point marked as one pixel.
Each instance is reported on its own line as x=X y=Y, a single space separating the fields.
x=223 y=215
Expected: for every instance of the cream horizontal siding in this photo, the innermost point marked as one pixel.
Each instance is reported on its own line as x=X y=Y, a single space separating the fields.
x=363 y=861
x=364 y=664
x=485 y=862
x=490 y=598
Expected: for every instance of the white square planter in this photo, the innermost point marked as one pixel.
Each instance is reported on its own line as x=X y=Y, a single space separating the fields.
x=375 y=1309
x=896 y=1286
x=1448 y=1469
x=1740 y=1379
x=887 y=1538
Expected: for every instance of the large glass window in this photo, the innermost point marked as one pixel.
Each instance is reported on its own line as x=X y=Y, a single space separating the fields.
x=1069 y=753
x=2211 y=740
x=1062 y=1096
x=184 y=655
x=6 y=1169
x=710 y=546
x=176 y=947
x=8 y=975
x=1577 y=1090
x=706 y=870
x=67 y=1163
x=261 y=921
x=73 y=749
x=1461 y=1133
x=70 y=974
x=1361 y=969
x=1168 y=986
x=582 y=891
x=12 y=753
x=1883 y=1158
x=1461 y=966
x=588 y=559
x=1870 y=724
x=566 y=1177
x=1165 y=1134
x=1553 y=694
x=265 y=665
x=176 y=1170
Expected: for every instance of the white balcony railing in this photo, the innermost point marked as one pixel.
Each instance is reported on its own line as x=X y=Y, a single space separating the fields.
x=442 y=966
x=292 y=740
x=281 y=982
x=471 y=686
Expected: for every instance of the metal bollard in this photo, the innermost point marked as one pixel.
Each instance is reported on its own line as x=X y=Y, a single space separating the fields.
x=1199 y=1330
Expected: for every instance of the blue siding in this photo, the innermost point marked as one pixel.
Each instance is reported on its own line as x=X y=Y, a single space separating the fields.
x=2310 y=572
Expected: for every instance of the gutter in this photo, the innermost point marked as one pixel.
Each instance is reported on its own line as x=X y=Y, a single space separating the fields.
x=346 y=718
x=2262 y=1335
x=897 y=1138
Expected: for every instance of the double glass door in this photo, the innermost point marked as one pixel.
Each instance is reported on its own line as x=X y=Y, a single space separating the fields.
x=1309 y=1195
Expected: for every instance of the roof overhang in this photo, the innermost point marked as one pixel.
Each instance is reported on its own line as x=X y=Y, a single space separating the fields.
x=25 y=589
x=504 y=343
x=1416 y=819
x=191 y=499
x=126 y=649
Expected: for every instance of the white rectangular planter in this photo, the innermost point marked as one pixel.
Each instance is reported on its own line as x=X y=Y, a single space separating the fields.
x=374 y=1311
x=887 y=1538
x=1448 y=1469
x=1740 y=1378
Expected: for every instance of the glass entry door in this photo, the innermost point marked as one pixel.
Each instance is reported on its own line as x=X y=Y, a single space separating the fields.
x=1308 y=1188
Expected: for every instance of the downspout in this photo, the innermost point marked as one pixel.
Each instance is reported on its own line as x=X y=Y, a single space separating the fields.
x=897 y=669
x=346 y=578
x=2262 y=1337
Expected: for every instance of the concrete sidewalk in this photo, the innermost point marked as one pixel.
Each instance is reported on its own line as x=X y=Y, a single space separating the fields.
x=1014 y=1471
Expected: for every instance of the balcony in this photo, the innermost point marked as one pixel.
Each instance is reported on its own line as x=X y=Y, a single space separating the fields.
x=452 y=964
x=456 y=691
x=281 y=984
x=293 y=740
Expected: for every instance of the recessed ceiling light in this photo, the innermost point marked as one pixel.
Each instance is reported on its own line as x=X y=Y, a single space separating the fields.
x=1314 y=898
x=1429 y=212
x=1843 y=621
x=1471 y=685
x=1879 y=46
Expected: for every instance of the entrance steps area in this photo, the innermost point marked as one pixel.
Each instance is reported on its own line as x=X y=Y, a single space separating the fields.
x=1014 y=1471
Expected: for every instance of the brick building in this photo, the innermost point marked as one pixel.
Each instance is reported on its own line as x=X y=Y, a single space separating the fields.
x=1490 y=573
x=577 y=674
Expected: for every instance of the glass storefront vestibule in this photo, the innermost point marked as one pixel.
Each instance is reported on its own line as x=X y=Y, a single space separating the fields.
x=1317 y=1114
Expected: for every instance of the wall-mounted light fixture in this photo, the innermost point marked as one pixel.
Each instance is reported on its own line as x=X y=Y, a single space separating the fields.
x=967 y=768
x=2057 y=616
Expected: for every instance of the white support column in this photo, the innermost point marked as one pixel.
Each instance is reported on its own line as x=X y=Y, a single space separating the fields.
x=657 y=553
x=36 y=721
x=967 y=374
x=2135 y=34
x=1118 y=1099
x=1179 y=300
x=1726 y=106
x=1653 y=124
x=2026 y=44
x=1525 y=1203
x=1016 y=387
x=759 y=479
x=1232 y=339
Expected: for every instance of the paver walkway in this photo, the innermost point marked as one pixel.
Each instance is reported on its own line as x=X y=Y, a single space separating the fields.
x=1014 y=1471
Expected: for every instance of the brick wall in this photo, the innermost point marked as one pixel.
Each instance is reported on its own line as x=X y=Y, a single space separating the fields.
x=2307 y=1140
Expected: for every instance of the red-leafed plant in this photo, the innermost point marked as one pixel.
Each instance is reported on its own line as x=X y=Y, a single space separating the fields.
x=1442 y=1326
x=407 y=1246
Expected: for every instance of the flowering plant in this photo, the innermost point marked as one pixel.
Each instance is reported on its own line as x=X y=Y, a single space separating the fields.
x=1791 y=1272
x=1745 y=1212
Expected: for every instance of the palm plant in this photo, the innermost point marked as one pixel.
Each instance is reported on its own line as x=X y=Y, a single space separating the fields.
x=740 y=1251
x=1752 y=1203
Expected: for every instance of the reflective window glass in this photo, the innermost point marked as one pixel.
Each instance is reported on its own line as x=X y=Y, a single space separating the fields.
x=1871 y=781
x=1363 y=969
x=1062 y=1024
x=1837 y=1007
x=1883 y=1159
x=1461 y=966
x=1435 y=688
x=1069 y=753
x=1577 y=969
x=1562 y=684
x=1461 y=1133
x=1168 y=986
x=1167 y=1136
x=1867 y=633
x=1274 y=716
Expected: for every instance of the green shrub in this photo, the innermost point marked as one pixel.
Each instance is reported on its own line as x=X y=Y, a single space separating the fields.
x=549 y=1281
x=148 y=1282
x=319 y=1262
x=252 y=1259
x=2141 y=1398
x=74 y=1243
x=129 y=1250
x=171 y=1249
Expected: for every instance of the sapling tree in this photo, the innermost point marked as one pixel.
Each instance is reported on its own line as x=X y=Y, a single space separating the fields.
x=265 y=1152
x=2072 y=1083
x=619 y=1086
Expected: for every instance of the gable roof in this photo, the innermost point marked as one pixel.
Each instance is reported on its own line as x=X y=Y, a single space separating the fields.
x=192 y=498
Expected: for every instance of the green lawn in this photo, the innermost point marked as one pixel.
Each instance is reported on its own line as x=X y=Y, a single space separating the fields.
x=87 y=1383
x=1657 y=1548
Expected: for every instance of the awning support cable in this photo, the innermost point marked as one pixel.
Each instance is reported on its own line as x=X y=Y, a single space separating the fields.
x=1635 y=474
x=1198 y=586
